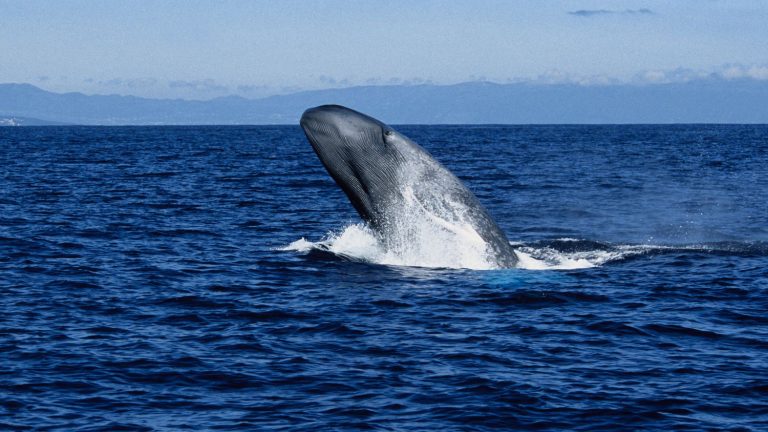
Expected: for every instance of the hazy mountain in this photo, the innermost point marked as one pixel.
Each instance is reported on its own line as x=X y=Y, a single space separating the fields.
x=702 y=101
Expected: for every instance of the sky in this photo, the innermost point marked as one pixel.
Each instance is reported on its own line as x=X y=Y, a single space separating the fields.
x=196 y=49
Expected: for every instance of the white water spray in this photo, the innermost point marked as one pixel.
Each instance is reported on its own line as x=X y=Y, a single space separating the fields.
x=358 y=242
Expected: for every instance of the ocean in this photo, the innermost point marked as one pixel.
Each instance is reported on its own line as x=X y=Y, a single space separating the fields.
x=216 y=278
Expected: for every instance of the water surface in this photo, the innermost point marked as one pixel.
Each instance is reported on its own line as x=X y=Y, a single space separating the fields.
x=145 y=285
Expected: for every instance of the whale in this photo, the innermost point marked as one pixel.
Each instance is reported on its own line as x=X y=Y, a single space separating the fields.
x=400 y=191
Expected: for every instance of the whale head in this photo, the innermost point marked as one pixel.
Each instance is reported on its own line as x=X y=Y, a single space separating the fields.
x=360 y=153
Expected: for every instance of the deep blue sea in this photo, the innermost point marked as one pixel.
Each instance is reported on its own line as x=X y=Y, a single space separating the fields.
x=216 y=278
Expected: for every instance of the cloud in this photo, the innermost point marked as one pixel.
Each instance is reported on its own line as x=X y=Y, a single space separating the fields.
x=679 y=75
x=736 y=71
x=730 y=71
x=588 y=13
x=556 y=76
x=155 y=87
x=333 y=82
x=204 y=85
x=724 y=72
x=252 y=88
x=130 y=83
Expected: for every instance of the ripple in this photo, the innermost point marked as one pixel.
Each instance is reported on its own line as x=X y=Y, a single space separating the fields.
x=678 y=330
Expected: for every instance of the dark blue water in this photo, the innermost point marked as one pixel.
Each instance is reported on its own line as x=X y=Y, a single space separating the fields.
x=142 y=285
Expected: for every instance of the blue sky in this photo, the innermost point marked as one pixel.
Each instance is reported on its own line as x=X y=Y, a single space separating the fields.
x=204 y=49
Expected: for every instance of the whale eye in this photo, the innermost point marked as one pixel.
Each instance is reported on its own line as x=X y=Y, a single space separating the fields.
x=389 y=133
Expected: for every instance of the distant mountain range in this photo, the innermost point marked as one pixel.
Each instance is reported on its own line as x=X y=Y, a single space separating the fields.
x=702 y=101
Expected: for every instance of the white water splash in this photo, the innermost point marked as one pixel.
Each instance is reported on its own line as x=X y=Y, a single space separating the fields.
x=425 y=236
x=357 y=242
